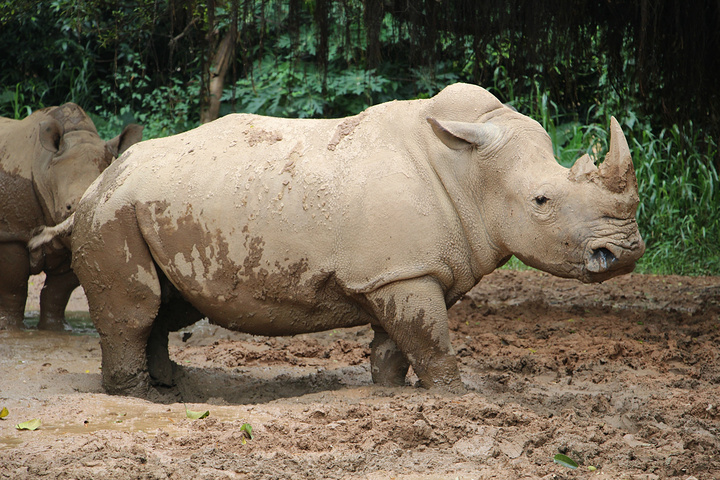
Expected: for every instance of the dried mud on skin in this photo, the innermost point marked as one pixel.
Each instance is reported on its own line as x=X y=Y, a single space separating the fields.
x=623 y=377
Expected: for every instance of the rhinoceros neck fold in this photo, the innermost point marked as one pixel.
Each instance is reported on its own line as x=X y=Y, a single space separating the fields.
x=484 y=253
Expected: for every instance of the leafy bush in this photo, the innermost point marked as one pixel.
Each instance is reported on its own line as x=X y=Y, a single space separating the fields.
x=143 y=62
x=163 y=110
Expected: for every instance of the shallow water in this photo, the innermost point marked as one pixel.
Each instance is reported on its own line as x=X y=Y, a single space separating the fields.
x=80 y=322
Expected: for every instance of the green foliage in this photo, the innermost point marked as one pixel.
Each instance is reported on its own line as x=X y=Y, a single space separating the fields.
x=286 y=80
x=678 y=213
x=163 y=110
x=144 y=62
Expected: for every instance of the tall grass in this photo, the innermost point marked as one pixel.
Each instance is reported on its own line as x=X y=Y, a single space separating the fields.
x=679 y=212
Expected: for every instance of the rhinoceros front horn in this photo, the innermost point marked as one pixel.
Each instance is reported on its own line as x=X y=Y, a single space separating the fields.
x=617 y=171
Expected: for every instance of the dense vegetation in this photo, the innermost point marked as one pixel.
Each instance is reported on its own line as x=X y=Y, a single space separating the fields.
x=568 y=66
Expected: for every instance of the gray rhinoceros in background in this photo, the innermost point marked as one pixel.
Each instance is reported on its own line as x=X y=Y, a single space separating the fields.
x=47 y=161
x=277 y=227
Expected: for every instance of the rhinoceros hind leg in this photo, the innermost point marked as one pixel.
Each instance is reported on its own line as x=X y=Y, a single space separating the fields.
x=54 y=298
x=175 y=313
x=13 y=285
x=160 y=367
x=123 y=293
x=388 y=364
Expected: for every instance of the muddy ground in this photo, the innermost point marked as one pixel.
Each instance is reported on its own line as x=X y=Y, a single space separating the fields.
x=623 y=377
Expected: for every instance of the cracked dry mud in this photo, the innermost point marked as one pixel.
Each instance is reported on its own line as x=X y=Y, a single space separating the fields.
x=623 y=377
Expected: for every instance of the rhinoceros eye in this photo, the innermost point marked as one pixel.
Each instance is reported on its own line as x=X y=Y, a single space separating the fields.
x=541 y=200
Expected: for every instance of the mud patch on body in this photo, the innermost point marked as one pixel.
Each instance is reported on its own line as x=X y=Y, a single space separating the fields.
x=193 y=258
x=254 y=136
x=345 y=129
x=282 y=284
x=72 y=118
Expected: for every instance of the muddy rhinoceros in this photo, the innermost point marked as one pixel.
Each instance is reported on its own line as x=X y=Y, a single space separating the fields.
x=277 y=227
x=47 y=161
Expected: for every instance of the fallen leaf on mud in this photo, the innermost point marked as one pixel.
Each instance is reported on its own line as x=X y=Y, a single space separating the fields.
x=29 y=425
x=565 y=461
x=196 y=415
x=246 y=429
x=4 y=412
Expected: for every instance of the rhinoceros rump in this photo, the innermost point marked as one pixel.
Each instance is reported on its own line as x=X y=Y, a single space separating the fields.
x=47 y=160
x=277 y=227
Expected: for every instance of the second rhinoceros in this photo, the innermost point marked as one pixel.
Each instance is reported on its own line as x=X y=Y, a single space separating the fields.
x=278 y=227
x=47 y=160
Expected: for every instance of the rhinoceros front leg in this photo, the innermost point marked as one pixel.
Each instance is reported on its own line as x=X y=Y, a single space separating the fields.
x=414 y=315
x=13 y=284
x=54 y=298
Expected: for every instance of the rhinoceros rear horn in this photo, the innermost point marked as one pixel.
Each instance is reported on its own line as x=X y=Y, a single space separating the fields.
x=583 y=166
x=464 y=135
x=617 y=171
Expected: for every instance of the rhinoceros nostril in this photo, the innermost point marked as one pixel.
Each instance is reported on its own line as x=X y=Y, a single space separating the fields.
x=68 y=207
x=601 y=260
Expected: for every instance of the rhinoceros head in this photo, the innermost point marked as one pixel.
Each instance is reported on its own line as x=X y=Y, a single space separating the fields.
x=73 y=156
x=576 y=223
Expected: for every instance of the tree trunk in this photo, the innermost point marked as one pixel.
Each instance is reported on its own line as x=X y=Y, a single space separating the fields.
x=218 y=70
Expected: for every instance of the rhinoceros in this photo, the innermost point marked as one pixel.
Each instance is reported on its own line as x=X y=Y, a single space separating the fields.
x=283 y=226
x=47 y=161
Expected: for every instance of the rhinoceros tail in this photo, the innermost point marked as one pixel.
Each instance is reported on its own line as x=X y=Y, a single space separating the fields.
x=47 y=234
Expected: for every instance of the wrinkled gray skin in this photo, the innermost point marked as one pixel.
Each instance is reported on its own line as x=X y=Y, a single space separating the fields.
x=278 y=227
x=47 y=161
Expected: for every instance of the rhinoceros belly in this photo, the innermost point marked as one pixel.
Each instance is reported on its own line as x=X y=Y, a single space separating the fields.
x=261 y=284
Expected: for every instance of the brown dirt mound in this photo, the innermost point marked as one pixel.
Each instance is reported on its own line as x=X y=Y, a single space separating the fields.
x=623 y=377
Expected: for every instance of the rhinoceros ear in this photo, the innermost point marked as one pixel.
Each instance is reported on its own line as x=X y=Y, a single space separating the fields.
x=51 y=133
x=464 y=135
x=130 y=135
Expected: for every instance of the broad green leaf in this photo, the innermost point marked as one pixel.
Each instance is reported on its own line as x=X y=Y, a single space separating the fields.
x=565 y=461
x=247 y=429
x=4 y=412
x=196 y=415
x=29 y=425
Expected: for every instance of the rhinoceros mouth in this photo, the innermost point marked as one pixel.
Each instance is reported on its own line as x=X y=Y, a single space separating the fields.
x=601 y=260
x=606 y=259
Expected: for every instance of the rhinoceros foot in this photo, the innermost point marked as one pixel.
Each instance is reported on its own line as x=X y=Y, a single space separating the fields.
x=11 y=321
x=130 y=384
x=442 y=375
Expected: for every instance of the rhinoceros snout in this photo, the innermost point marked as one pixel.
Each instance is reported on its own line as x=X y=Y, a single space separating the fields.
x=613 y=258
